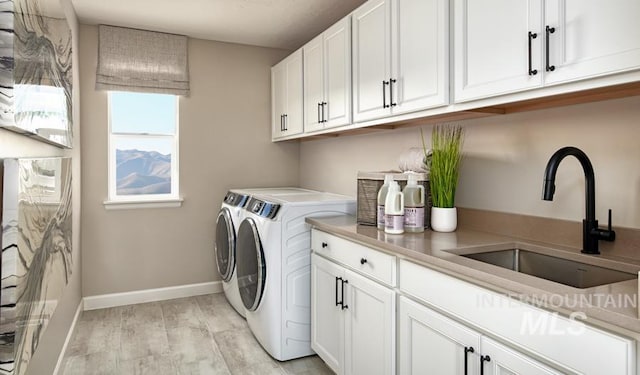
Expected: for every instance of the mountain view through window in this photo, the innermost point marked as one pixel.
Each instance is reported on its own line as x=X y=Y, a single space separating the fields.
x=143 y=128
x=142 y=172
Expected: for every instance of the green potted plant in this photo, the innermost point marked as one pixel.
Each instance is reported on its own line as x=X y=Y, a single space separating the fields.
x=444 y=169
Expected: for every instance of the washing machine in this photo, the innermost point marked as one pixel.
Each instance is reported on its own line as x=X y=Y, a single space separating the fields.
x=274 y=267
x=227 y=224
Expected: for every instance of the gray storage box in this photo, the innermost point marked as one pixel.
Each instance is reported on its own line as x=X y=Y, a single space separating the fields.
x=369 y=183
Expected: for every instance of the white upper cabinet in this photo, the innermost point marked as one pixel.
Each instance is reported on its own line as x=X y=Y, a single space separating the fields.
x=506 y=46
x=498 y=47
x=327 y=78
x=400 y=57
x=278 y=99
x=286 y=96
x=592 y=38
x=313 y=84
x=371 y=60
x=419 y=54
x=390 y=60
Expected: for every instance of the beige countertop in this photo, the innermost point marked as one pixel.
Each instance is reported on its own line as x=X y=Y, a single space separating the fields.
x=610 y=306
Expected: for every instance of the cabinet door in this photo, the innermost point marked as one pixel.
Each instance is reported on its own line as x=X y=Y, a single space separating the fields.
x=371 y=60
x=337 y=52
x=327 y=319
x=313 y=84
x=592 y=38
x=506 y=361
x=420 y=54
x=294 y=89
x=429 y=343
x=278 y=97
x=369 y=327
x=492 y=47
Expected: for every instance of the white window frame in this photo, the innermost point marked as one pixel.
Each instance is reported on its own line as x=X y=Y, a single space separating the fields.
x=115 y=201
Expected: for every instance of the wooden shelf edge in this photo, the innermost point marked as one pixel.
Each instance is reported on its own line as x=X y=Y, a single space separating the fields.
x=560 y=100
x=579 y=97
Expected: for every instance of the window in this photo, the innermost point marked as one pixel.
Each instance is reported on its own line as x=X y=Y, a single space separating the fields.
x=143 y=147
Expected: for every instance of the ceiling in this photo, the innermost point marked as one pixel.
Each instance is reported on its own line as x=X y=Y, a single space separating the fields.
x=286 y=24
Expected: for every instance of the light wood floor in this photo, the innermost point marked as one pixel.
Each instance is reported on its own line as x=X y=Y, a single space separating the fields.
x=195 y=335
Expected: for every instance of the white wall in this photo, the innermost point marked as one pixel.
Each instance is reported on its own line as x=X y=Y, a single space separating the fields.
x=505 y=157
x=225 y=142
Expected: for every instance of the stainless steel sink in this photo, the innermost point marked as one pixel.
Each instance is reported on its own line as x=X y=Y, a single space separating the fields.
x=560 y=270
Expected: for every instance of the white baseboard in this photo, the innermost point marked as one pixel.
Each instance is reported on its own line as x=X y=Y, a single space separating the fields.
x=67 y=340
x=151 y=295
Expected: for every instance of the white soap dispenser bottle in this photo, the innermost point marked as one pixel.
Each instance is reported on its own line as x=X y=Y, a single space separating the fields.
x=394 y=210
x=382 y=197
x=414 y=205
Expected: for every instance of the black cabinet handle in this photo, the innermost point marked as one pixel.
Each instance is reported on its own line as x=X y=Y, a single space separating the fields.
x=384 y=94
x=281 y=123
x=337 y=279
x=391 y=82
x=549 y=30
x=483 y=359
x=323 y=111
x=344 y=306
x=324 y=244
x=532 y=72
x=285 y=123
x=467 y=350
x=363 y=260
x=319 y=109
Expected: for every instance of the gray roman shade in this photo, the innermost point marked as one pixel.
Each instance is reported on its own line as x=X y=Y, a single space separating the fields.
x=143 y=61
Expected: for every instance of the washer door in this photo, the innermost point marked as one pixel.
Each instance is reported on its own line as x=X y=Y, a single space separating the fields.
x=251 y=266
x=225 y=244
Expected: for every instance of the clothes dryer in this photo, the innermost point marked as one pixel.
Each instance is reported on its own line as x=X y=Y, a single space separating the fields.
x=274 y=267
x=227 y=224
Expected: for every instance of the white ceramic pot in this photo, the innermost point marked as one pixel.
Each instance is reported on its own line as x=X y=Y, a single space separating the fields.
x=444 y=219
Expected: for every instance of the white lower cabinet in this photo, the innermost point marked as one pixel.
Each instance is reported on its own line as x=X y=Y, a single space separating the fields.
x=567 y=343
x=444 y=325
x=327 y=317
x=430 y=343
x=352 y=320
x=369 y=326
x=498 y=359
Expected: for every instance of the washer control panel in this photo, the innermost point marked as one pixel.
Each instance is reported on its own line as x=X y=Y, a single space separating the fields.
x=263 y=208
x=235 y=199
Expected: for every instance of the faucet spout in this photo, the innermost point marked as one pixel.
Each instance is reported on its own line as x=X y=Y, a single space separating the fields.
x=591 y=233
x=589 y=179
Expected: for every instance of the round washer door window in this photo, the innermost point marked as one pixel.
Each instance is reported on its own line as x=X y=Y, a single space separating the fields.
x=250 y=264
x=225 y=244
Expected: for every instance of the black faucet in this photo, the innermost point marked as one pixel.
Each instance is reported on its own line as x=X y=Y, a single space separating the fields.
x=591 y=234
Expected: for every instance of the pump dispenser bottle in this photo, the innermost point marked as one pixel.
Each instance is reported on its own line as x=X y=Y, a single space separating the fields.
x=394 y=210
x=413 y=205
x=382 y=196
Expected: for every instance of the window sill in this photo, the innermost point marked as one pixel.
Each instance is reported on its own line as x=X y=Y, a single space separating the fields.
x=127 y=205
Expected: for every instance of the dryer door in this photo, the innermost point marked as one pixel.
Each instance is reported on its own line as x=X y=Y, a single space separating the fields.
x=225 y=244
x=251 y=267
